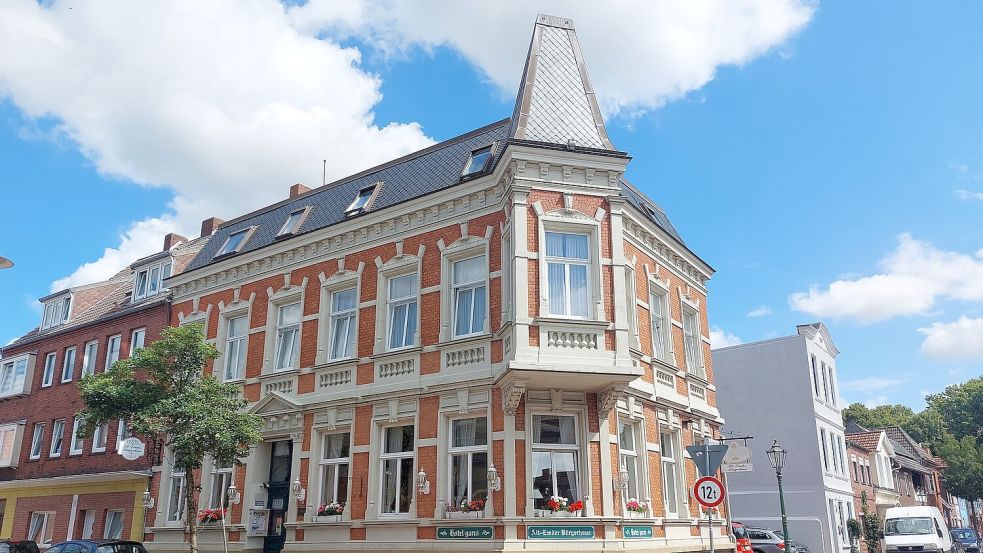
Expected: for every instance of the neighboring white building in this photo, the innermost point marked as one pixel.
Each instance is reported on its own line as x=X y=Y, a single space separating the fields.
x=786 y=389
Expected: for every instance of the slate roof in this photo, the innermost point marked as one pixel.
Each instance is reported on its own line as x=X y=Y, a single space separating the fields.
x=555 y=103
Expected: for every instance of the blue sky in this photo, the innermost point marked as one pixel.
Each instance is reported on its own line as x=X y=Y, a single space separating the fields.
x=832 y=173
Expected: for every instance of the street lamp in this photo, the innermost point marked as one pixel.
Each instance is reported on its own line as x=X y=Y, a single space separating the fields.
x=776 y=455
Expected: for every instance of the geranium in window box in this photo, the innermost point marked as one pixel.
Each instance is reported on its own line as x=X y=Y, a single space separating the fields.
x=636 y=509
x=474 y=508
x=210 y=516
x=330 y=512
x=561 y=507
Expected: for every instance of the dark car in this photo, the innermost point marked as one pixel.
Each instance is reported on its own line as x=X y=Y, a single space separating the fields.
x=968 y=538
x=18 y=546
x=97 y=546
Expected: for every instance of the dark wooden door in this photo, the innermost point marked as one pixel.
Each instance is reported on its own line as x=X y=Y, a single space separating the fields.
x=278 y=495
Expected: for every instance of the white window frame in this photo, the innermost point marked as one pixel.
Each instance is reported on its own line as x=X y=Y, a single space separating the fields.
x=16 y=375
x=291 y=230
x=350 y=318
x=57 y=438
x=9 y=457
x=473 y=286
x=692 y=340
x=152 y=276
x=568 y=262
x=507 y=278
x=57 y=312
x=825 y=381
x=282 y=330
x=176 y=483
x=68 y=365
x=576 y=448
x=659 y=295
x=221 y=478
x=470 y=168
x=357 y=207
x=112 y=355
x=832 y=384
x=825 y=448
x=679 y=509
x=467 y=452
x=815 y=375
x=394 y=303
x=106 y=525
x=88 y=523
x=45 y=528
x=631 y=306
x=122 y=432
x=239 y=343
x=246 y=233
x=48 y=376
x=633 y=456
x=100 y=438
x=37 y=440
x=398 y=456
x=135 y=344
x=89 y=355
x=335 y=462
x=77 y=445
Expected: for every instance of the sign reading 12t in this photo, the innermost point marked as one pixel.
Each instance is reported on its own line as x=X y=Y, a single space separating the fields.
x=709 y=492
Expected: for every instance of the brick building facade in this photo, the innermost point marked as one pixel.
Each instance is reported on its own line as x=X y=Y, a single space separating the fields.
x=500 y=317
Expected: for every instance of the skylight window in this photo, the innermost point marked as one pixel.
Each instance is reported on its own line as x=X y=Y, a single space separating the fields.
x=292 y=223
x=478 y=162
x=234 y=242
x=362 y=200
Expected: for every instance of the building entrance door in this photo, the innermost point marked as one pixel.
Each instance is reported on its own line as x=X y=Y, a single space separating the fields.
x=278 y=496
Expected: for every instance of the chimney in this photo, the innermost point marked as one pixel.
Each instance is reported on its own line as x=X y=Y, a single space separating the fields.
x=208 y=226
x=172 y=240
x=297 y=190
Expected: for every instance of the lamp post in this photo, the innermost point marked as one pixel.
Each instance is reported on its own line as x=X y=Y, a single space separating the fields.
x=776 y=455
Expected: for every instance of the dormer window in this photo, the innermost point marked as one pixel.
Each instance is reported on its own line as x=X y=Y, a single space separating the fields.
x=235 y=241
x=478 y=162
x=56 y=312
x=150 y=280
x=293 y=222
x=363 y=201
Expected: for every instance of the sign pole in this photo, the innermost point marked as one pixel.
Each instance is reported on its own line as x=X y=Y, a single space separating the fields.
x=706 y=457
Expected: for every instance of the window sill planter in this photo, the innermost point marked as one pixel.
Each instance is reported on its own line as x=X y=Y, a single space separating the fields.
x=546 y=513
x=327 y=518
x=634 y=515
x=459 y=515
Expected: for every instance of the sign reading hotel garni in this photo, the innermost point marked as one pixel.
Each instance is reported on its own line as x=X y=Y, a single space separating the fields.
x=560 y=532
x=465 y=532
x=636 y=532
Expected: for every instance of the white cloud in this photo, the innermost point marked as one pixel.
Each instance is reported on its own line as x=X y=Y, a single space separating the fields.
x=964 y=194
x=913 y=277
x=870 y=384
x=760 y=311
x=639 y=55
x=876 y=401
x=224 y=102
x=960 y=339
x=719 y=338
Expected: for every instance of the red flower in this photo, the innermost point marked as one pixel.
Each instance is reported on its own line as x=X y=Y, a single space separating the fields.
x=575 y=506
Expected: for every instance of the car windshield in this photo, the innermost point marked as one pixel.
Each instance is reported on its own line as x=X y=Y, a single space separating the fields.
x=739 y=532
x=908 y=526
x=4 y=548
x=964 y=534
x=120 y=548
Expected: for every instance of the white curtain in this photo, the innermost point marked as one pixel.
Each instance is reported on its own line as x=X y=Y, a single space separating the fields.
x=470 y=270
x=335 y=446
x=658 y=327
x=290 y=314
x=557 y=288
x=343 y=301
x=464 y=432
x=402 y=287
x=579 y=294
x=573 y=246
x=548 y=429
x=459 y=467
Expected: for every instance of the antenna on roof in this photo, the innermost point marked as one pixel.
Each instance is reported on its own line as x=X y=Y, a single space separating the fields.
x=324 y=172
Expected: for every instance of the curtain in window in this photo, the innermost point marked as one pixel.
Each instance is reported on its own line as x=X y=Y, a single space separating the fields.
x=336 y=445
x=560 y=244
x=579 y=294
x=469 y=270
x=557 y=288
x=554 y=429
x=459 y=476
x=691 y=343
x=115 y=525
x=464 y=432
x=565 y=467
x=658 y=327
x=402 y=287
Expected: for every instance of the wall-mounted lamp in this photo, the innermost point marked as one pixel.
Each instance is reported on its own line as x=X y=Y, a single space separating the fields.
x=233 y=495
x=298 y=491
x=422 y=484
x=623 y=480
x=148 y=500
x=494 y=481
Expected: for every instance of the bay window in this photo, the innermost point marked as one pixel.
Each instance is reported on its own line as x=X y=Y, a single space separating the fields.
x=470 y=295
x=236 y=334
x=13 y=376
x=555 y=450
x=68 y=365
x=335 y=462
x=288 y=336
x=671 y=472
x=692 y=343
x=402 y=311
x=468 y=452
x=629 y=459
x=568 y=268
x=342 y=322
x=398 y=478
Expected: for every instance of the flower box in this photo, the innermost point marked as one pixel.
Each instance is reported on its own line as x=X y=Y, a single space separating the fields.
x=546 y=513
x=457 y=515
x=635 y=515
x=327 y=518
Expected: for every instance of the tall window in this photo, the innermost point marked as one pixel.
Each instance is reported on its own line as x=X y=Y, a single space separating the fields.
x=114 y=525
x=628 y=455
x=42 y=528
x=507 y=276
x=77 y=444
x=288 y=336
x=12 y=375
x=658 y=309
x=470 y=295
x=343 y=308
x=692 y=344
x=825 y=382
x=631 y=309
x=89 y=357
x=49 y=369
x=122 y=432
x=99 y=437
x=37 y=439
x=832 y=384
x=68 y=365
x=175 y=496
x=822 y=438
x=236 y=334
x=8 y=436
x=402 y=311
x=468 y=453
x=397 y=470
x=221 y=480
x=568 y=267
x=57 y=438
x=554 y=458
x=112 y=351
x=815 y=375
x=137 y=339
x=670 y=472
x=334 y=467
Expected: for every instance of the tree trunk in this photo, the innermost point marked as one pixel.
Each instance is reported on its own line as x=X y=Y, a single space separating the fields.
x=191 y=508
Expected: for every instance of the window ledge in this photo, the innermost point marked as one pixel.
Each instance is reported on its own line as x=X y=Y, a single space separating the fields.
x=564 y=321
x=697 y=378
x=471 y=338
x=278 y=374
x=335 y=363
x=391 y=354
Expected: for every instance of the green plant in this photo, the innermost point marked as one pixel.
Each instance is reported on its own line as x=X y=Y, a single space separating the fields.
x=855 y=531
x=871 y=526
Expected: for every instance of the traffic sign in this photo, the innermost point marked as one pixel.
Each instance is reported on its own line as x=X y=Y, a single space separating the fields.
x=707 y=457
x=709 y=492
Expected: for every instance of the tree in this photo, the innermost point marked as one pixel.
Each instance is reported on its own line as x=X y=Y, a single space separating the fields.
x=964 y=475
x=164 y=395
x=926 y=427
x=880 y=416
x=961 y=407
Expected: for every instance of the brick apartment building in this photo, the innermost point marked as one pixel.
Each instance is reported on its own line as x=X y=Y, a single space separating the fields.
x=503 y=303
x=55 y=485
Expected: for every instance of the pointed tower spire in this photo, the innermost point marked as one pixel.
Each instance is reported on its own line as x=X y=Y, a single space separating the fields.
x=556 y=103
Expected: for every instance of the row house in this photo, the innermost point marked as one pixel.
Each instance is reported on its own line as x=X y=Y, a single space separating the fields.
x=441 y=345
x=54 y=484
x=792 y=379
x=874 y=474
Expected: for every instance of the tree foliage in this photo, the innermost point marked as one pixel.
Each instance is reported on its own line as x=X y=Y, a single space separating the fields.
x=882 y=415
x=164 y=395
x=961 y=407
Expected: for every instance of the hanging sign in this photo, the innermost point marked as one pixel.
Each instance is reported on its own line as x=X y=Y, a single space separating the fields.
x=737 y=459
x=560 y=532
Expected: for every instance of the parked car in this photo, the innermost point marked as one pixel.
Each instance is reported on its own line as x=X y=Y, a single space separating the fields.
x=765 y=540
x=917 y=529
x=97 y=546
x=18 y=546
x=968 y=538
x=741 y=537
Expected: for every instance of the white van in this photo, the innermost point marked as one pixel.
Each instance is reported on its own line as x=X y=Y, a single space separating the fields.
x=916 y=529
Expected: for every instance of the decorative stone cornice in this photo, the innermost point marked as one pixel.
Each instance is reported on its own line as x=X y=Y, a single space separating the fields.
x=607 y=400
x=664 y=251
x=511 y=394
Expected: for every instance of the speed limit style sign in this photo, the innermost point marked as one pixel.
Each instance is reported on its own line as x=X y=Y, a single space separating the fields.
x=709 y=492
